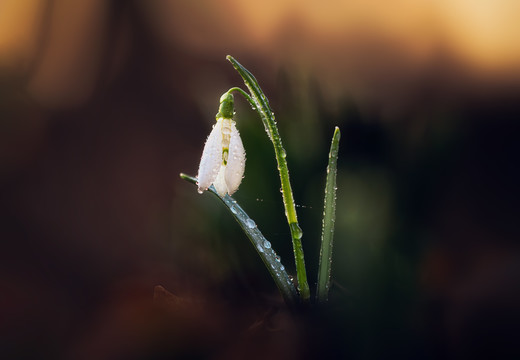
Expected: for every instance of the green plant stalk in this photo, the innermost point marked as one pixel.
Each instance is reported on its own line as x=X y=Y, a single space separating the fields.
x=329 y=217
x=262 y=245
x=261 y=105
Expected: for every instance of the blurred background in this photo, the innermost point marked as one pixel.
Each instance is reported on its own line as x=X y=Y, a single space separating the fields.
x=104 y=103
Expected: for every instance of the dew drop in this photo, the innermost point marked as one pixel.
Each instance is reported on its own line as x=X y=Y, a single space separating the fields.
x=267 y=244
x=282 y=267
x=250 y=223
x=296 y=230
x=200 y=191
x=233 y=210
x=277 y=257
x=260 y=248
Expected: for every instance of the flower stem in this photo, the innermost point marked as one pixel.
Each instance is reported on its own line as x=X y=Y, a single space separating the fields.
x=262 y=245
x=244 y=94
x=261 y=104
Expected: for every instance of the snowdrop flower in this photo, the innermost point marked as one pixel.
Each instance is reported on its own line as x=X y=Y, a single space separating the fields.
x=223 y=159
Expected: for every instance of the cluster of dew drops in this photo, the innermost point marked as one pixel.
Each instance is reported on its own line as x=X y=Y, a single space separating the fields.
x=265 y=245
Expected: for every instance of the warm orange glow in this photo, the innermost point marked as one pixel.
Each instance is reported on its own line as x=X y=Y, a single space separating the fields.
x=485 y=34
x=480 y=33
x=362 y=43
x=19 y=21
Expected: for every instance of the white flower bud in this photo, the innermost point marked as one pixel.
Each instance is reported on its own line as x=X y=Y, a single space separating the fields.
x=223 y=159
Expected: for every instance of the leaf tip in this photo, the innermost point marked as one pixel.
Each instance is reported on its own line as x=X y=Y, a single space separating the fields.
x=188 y=178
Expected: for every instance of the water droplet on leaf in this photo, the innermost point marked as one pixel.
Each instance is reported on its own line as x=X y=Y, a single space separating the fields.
x=296 y=230
x=250 y=223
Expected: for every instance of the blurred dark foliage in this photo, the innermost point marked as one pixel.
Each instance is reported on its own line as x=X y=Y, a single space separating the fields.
x=93 y=215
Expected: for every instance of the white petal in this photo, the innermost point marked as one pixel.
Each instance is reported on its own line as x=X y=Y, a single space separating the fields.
x=211 y=159
x=236 y=161
x=220 y=182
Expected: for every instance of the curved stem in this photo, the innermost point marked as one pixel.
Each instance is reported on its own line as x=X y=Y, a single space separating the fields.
x=244 y=94
x=262 y=107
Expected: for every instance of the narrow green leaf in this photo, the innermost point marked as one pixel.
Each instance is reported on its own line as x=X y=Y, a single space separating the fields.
x=261 y=105
x=261 y=244
x=329 y=217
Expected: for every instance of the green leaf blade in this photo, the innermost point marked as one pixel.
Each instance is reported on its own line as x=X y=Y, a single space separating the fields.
x=329 y=218
x=261 y=244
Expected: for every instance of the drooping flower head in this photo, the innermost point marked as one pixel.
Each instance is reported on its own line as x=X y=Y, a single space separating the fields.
x=223 y=159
